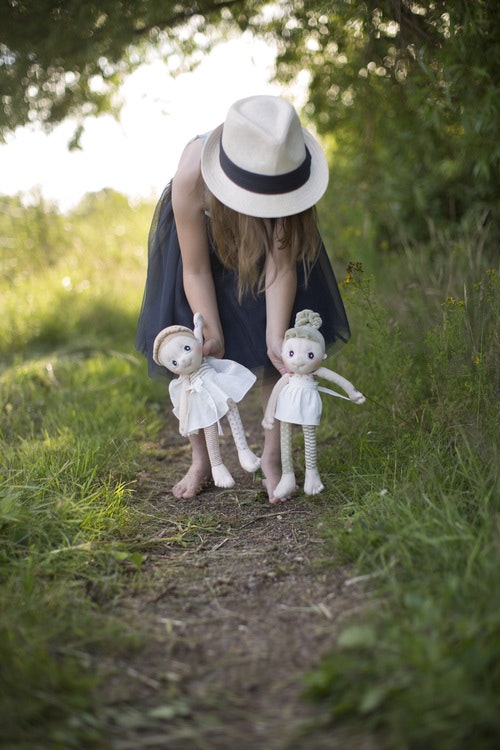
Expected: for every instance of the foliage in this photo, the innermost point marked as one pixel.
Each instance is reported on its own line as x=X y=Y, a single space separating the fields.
x=68 y=58
x=80 y=303
x=418 y=514
x=406 y=95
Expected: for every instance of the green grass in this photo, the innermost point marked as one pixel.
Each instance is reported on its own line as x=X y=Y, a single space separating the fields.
x=413 y=473
x=76 y=408
x=419 y=517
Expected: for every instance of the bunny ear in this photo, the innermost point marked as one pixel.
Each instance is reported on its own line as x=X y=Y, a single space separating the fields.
x=308 y=318
x=198 y=327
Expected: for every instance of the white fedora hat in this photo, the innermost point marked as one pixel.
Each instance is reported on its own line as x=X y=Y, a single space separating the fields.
x=262 y=162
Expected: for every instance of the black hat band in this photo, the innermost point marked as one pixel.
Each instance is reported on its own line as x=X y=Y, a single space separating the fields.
x=264 y=183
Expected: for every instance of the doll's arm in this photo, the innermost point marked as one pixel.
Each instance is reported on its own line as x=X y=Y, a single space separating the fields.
x=268 y=421
x=183 y=410
x=354 y=395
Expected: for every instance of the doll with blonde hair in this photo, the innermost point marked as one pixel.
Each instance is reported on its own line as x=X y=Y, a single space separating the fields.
x=296 y=399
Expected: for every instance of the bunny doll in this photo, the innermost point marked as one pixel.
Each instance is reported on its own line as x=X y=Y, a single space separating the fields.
x=206 y=390
x=295 y=399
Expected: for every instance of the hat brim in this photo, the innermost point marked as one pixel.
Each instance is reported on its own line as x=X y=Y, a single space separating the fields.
x=257 y=204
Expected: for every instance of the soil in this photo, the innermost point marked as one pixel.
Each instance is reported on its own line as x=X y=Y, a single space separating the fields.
x=238 y=602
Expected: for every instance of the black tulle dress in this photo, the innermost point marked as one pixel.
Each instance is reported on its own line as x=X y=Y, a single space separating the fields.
x=243 y=323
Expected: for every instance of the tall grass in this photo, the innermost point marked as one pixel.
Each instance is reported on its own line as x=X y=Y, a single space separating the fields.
x=73 y=402
x=418 y=505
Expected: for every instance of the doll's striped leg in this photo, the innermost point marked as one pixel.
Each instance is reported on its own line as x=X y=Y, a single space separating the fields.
x=312 y=481
x=286 y=484
x=247 y=458
x=220 y=474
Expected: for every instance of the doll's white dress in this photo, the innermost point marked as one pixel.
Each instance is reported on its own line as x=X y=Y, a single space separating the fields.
x=299 y=401
x=210 y=390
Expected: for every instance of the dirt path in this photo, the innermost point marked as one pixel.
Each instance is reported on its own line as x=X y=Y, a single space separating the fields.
x=238 y=604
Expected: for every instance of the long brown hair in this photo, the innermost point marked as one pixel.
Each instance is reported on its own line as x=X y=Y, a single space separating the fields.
x=242 y=242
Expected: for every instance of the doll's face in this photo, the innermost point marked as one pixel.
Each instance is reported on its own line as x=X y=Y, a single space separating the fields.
x=181 y=354
x=302 y=355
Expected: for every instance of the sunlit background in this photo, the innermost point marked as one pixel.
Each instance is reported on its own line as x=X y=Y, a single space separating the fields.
x=138 y=154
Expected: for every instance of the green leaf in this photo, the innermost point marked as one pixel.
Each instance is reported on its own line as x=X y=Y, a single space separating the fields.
x=168 y=712
x=357 y=636
x=373 y=698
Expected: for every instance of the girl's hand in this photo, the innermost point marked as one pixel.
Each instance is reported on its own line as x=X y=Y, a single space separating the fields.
x=274 y=354
x=213 y=348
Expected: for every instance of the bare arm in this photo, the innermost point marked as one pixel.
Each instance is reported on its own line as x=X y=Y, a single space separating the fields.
x=188 y=202
x=353 y=393
x=281 y=288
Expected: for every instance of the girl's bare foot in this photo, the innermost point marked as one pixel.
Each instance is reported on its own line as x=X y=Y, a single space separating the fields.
x=271 y=455
x=193 y=482
x=199 y=475
x=271 y=467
